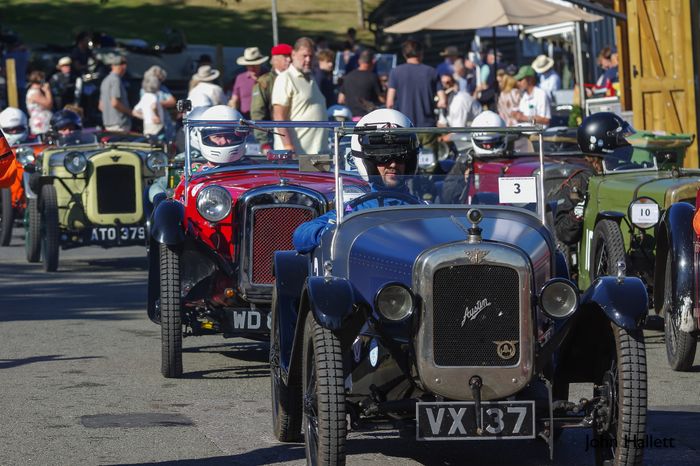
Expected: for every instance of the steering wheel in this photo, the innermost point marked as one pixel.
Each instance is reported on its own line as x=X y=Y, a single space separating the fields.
x=626 y=166
x=381 y=196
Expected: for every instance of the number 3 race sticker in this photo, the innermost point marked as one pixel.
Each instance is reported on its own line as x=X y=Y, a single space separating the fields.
x=517 y=190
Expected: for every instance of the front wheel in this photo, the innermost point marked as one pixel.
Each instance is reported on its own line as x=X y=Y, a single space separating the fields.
x=49 y=228
x=170 y=313
x=6 y=217
x=680 y=345
x=324 y=424
x=608 y=249
x=620 y=427
x=32 y=231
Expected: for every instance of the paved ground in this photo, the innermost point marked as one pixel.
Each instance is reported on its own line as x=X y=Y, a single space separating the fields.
x=80 y=384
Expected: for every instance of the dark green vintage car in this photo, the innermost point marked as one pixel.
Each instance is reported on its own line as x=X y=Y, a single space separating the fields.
x=88 y=194
x=626 y=220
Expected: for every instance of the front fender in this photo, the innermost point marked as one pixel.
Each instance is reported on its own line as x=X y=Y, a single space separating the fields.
x=624 y=302
x=168 y=223
x=677 y=224
x=291 y=270
x=610 y=215
x=331 y=300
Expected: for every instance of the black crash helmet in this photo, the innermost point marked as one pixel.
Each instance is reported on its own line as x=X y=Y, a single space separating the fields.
x=64 y=118
x=601 y=133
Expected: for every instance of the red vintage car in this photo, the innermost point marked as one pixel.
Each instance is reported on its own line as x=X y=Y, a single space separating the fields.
x=211 y=244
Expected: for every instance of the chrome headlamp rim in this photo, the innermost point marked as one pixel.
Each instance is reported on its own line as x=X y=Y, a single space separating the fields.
x=642 y=200
x=156 y=160
x=387 y=288
x=72 y=167
x=225 y=203
x=558 y=282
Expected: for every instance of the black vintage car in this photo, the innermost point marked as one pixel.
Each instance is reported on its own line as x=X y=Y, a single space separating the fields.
x=459 y=320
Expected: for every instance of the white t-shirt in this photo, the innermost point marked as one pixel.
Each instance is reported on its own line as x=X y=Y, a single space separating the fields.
x=206 y=94
x=149 y=105
x=305 y=101
x=550 y=82
x=535 y=104
x=463 y=108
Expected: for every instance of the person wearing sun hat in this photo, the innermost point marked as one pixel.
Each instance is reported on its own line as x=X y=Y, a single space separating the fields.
x=241 y=94
x=534 y=104
x=549 y=78
x=62 y=84
x=205 y=91
x=261 y=104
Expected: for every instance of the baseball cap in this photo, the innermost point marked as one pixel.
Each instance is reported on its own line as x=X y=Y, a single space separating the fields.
x=281 y=49
x=524 y=71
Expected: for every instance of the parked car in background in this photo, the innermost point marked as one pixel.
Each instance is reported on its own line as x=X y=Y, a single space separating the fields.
x=81 y=193
x=457 y=322
x=631 y=217
x=212 y=241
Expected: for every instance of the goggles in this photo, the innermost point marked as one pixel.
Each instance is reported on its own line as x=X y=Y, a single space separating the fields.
x=489 y=142
x=217 y=137
x=15 y=130
x=383 y=148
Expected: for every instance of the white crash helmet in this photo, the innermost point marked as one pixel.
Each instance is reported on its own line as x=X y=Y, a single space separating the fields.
x=232 y=139
x=339 y=113
x=13 y=123
x=489 y=143
x=367 y=150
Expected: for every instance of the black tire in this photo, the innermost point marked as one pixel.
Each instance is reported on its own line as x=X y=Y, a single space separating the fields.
x=286 y=397
x=32 y=231
x=680 y=345
x=620 y=437
x=49 y=227
x=170 y=313
x=324 y=424
x=607 y=249
x=6 y=217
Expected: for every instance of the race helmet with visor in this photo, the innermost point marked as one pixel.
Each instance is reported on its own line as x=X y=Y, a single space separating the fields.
x=488 y=143
x=221 y=144
x=13 y=123
x=64 y=121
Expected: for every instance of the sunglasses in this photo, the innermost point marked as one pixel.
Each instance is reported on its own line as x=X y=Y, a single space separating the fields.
x=387 y=159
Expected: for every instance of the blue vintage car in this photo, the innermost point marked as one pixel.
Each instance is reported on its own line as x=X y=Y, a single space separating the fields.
x=458 y=319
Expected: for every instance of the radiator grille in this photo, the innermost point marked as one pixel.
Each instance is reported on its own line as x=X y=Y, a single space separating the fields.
x=272 y=231
x=473 y=307
x=116 y=192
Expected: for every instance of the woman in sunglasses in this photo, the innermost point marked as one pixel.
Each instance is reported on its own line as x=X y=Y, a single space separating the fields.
x=381 y=159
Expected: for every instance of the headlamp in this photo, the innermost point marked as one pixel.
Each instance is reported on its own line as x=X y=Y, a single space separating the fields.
x=75 y=162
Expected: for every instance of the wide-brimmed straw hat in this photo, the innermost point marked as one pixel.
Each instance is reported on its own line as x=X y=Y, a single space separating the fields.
x=251 y=56
x=542 y=64
x=206 y=73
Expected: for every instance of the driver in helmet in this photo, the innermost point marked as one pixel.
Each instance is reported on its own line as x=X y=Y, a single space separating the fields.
x=13 y=123
x=456 y=186
x=602 y=138
x=220 y=145
x=339 y=113
x=381 y=160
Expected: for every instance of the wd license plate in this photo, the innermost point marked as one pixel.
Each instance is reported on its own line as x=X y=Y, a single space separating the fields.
x=249 y=320
x=118 y=234
x=457 y=420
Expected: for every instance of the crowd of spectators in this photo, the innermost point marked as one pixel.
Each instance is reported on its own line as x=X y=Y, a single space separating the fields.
x=298 y=83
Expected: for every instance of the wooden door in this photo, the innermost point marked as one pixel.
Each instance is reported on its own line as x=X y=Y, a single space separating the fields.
x=661 y=68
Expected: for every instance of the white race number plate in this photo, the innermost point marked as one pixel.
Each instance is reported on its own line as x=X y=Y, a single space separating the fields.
x=517 y=190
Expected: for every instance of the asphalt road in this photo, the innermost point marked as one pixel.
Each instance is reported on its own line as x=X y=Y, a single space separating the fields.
x=80 y=384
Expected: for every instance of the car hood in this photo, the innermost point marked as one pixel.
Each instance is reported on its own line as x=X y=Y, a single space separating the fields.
x=664 y=187
x=378 y=246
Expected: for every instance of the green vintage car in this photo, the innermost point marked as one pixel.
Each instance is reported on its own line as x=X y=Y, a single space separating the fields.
x=626 y=203
x=88 y=194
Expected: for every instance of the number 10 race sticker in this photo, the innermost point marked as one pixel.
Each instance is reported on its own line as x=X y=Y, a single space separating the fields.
x=517 y=190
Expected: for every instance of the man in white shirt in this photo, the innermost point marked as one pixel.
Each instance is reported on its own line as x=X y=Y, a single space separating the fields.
x=549 y=78
x=297 y=97
x=462 y=108
x=535 y=106
x=205 y=92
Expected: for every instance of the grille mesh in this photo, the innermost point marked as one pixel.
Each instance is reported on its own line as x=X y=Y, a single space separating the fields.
x=116 y=193
x=488 y=296
x=272 y=231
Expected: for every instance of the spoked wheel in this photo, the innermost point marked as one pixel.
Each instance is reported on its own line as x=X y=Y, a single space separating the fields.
x=32 y=231
x=49 y=228
x=6 y=217
x=620 y=421
x=170 y=312
x=608 y=248
x=680 y=345
x=324 y=424
x=286 y=397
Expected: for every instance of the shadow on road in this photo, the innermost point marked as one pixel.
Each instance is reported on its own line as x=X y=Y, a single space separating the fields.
x=274 y=454
x=236 y=372
x=8 y=363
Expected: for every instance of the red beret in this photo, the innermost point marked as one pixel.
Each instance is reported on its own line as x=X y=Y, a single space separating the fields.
x=281 y=49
